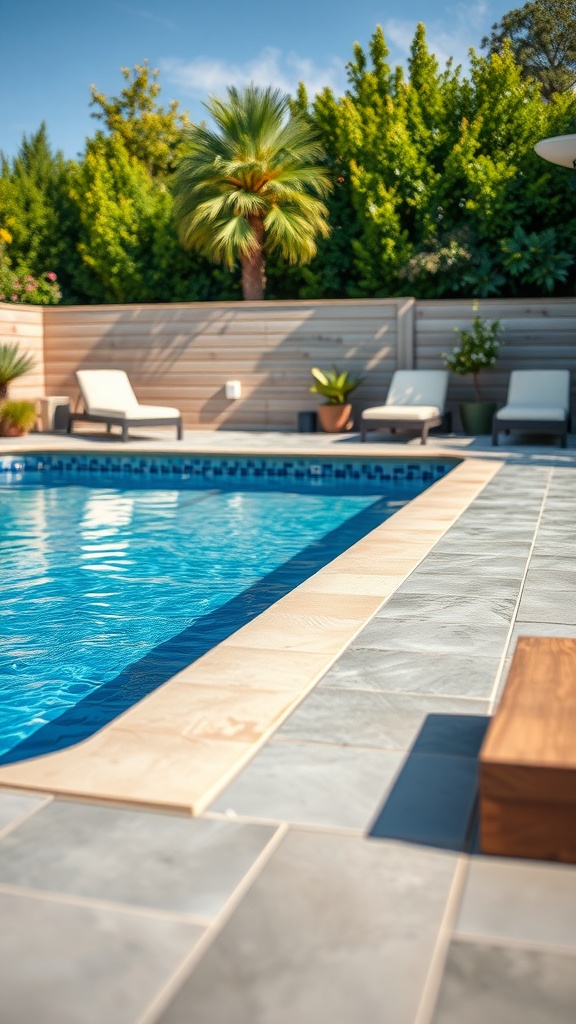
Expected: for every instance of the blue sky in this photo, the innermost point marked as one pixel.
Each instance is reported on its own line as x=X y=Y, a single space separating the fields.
x=51 y=53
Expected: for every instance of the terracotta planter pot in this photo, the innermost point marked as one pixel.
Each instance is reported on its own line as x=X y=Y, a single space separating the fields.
x=335 y=419
x=7 y=431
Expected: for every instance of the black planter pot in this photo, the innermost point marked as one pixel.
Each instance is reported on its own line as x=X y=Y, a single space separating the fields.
x=477 y=417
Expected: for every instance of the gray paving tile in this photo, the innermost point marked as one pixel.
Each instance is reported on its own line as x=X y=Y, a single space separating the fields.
x=451 y=584
x=155 y=860
x=365 y=718
x=554 y=544
x=547 y=606
x=477 y=543
x=14 y=806
x=496 y=528
x=432 y=802
x=433 y=637
x=414 y=672
x=336 y=928
x=539 y=629
x=551 y=572
x=65 y=964
x=522 y=901
x=452 y=736
x=478 y=565
x=490 y=611
x=312 y=784
x=506 y=985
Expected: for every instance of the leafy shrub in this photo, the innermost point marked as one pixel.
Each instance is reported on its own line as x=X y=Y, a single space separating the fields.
x=17 y=417
x=478 y=349
x=333 y=385
x=13 y=364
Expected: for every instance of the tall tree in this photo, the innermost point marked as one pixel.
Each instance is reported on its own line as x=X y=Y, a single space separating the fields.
x=542 y=35
x=252 y=185
x=149 y=132
x=128 y=243
x=34 y=201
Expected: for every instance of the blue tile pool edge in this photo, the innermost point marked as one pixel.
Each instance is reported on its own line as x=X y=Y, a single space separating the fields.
x=261 y=469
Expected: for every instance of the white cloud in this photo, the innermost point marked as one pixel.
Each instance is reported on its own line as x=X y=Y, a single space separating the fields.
x=207 y=75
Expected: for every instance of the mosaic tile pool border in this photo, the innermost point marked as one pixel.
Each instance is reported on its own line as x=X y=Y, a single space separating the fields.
x=230 y=468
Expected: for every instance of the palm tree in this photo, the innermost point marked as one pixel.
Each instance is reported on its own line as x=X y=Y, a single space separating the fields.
x=253 y=185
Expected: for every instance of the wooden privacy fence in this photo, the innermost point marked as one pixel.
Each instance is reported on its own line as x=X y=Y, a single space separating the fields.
x=538 y=334
x=25 y=326
x=183 y=354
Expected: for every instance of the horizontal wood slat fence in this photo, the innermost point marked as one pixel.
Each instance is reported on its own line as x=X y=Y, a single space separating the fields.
x=25 y=325
x=183 y=354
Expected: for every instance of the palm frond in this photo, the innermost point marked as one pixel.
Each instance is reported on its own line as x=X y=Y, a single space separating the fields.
x=257 y=164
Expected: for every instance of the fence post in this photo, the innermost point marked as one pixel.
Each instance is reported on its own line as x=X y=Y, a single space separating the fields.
x=405 y=334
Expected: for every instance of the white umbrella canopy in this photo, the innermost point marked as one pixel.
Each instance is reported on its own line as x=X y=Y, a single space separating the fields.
x=559 y=150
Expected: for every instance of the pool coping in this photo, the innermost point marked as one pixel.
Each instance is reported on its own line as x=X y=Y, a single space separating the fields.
x=179 y=747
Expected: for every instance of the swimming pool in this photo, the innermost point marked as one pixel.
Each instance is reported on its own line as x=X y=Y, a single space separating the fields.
x=118 y=572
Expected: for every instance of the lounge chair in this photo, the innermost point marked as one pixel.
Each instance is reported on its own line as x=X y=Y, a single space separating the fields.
x=415 y=401
x=108 y=398
x=538 y=403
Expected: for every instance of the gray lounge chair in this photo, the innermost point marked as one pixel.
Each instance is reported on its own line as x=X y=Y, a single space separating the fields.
x=415 y=401
x=108 y=398
x=538 y=403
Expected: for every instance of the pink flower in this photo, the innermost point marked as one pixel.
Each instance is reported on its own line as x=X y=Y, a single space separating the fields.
x=51 y=275
x=14 y=298
x=29 y=278
x=30 y=287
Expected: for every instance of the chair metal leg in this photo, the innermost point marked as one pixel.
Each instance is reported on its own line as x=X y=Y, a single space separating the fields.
x=363 y=431
x=424 y=436
x=124 y=431
x=179 y=431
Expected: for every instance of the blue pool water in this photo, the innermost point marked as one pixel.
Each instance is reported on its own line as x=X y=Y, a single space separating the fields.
x=112 y=583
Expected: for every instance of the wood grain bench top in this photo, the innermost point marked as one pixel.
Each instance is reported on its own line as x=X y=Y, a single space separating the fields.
x=528 y=759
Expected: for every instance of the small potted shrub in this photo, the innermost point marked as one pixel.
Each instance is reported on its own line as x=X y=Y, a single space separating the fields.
x=17 y=418
x=336 y=414
x=478 y=350
x=13 y=364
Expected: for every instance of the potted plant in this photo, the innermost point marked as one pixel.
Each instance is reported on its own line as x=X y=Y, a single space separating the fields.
x=336 y=414
x=17 y=418
x=13 y=364
x=478 y=350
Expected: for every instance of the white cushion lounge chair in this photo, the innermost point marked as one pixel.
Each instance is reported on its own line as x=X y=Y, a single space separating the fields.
x=415 y=401
x=538 y=403
x=108 y=398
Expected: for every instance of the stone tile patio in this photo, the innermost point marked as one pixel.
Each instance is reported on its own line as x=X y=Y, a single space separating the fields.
x=335 y=877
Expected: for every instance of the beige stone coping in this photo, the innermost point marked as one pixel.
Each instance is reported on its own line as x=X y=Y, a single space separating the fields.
x=182 y=744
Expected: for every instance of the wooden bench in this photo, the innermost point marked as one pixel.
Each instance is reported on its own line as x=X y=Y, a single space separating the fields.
x=528 y=759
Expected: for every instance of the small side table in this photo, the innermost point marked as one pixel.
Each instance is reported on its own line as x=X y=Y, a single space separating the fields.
x=54 y=413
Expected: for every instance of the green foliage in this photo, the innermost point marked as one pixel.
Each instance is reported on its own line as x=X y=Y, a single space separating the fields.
x=13 y=364
x=335 y=386
x=422 y=182
x=127 y=238
x=35 y=206
x=542 y=34
x=149 y=132
x=252 y=186
x=534 y=259
x=21 y=287
x=478 y=349
x=17 y=416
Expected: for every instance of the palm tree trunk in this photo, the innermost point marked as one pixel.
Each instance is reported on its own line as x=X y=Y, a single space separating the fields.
x=253 y=264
